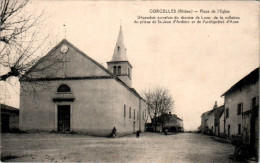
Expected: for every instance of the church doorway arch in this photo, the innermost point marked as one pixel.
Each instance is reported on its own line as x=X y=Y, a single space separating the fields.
x=63 y=100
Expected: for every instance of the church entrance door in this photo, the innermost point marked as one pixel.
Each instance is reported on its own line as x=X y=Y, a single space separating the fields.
x=63 y=118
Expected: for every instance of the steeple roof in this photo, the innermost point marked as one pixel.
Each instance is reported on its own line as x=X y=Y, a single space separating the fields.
x=120 y=50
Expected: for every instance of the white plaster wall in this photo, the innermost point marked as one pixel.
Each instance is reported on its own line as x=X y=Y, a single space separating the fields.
x=221 y=123
x=232 y=100
x=91 y=110
x=98 y=107
x=210 y=121
x=123 y=96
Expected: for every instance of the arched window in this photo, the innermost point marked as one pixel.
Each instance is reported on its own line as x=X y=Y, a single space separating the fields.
x=114 y=70
x=119 y=70
x=118 y=48
x=63 y=88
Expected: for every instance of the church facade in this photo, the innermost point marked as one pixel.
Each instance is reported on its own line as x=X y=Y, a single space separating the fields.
x=68 y=91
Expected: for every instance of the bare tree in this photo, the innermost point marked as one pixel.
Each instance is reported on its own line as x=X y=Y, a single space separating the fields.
x=159 y=102
x=21 y=42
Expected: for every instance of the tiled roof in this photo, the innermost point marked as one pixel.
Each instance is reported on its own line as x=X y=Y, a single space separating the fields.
x=251 y=78
x=9 y=108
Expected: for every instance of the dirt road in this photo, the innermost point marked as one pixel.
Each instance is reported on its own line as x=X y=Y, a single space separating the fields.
x=150 y=147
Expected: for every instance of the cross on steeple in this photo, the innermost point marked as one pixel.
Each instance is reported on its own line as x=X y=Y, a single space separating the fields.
x=63 y=60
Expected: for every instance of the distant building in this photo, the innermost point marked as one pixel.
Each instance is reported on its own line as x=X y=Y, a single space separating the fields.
x=180 y=126
x=222 y=124
x=171 y=122
x=210 y=120
x=218 y=111
x=204 y=122
x=9 y=118
x=241 y=109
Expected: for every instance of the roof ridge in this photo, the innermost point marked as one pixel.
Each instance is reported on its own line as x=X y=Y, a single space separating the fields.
x=85 y=55
x=73 y=46
x=241 y=80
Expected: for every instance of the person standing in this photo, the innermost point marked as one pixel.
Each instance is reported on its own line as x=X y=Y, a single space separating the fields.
x=113 y=133
x=137 y=134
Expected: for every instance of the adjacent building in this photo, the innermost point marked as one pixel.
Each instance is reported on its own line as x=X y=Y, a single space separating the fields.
x=9 y=118
x=239 y=116
x=69 y=91
x=241 y=109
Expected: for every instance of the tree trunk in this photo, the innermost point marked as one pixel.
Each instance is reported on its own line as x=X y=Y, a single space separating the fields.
x=14 y=72
x=5 y=76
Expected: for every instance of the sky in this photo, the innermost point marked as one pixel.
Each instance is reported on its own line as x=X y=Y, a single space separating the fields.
x=197 y=63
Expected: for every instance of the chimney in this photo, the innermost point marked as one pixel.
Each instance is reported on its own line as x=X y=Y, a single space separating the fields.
x=216 y=105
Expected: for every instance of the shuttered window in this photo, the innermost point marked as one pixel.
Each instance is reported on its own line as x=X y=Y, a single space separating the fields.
x=124 y=110
x=130 y=113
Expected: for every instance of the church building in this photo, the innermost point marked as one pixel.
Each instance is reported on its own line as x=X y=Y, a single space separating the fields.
x=67 y=91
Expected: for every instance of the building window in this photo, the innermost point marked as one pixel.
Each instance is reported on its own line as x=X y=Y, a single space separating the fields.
x=63 y=88
x=239 y=129
x=228 y=131
x=227 y=113
x=130 y=113
x=134 y=113
x=118 y=48
x=239 y=108
x=255 y=101
x=114 y=70
x=119 y=70
x=124 y=110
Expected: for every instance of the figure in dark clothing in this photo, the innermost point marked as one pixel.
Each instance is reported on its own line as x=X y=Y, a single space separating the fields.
x=166 y=131
x=113 y=134
x=137 y=134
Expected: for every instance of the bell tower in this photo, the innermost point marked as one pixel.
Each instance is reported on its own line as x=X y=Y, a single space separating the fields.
x=119 y=65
